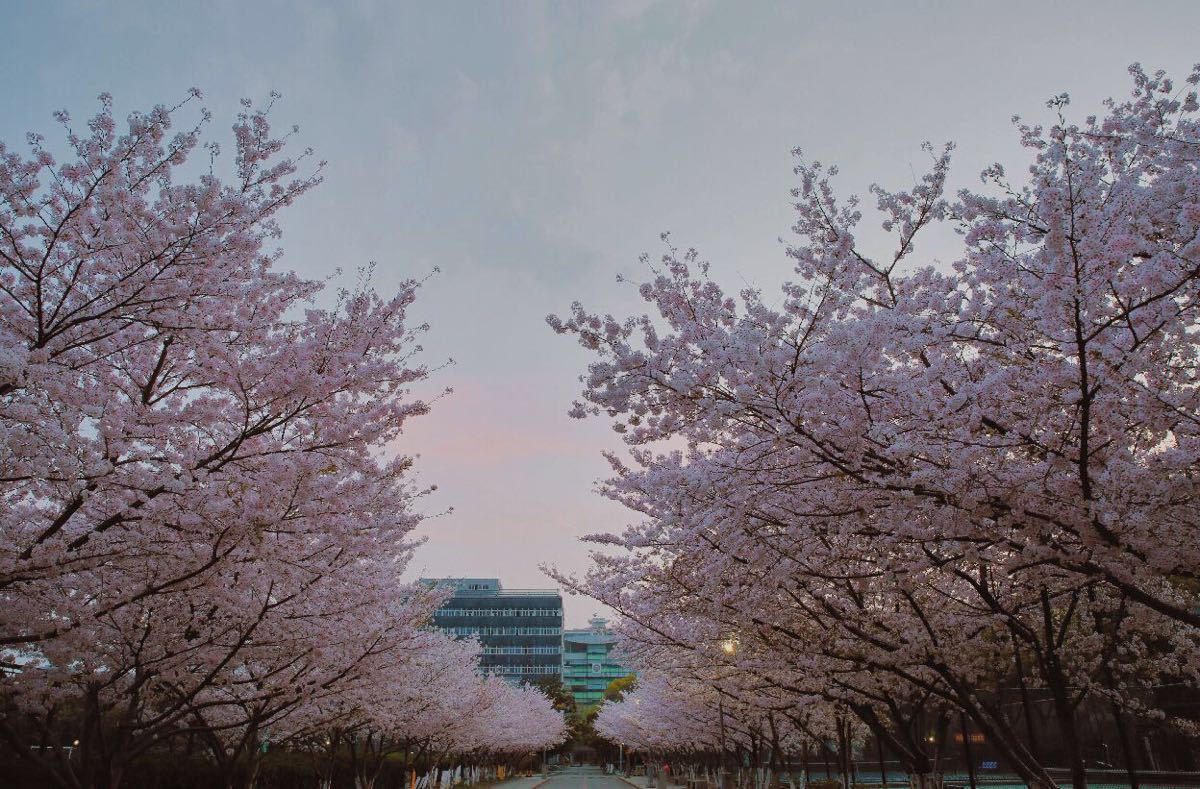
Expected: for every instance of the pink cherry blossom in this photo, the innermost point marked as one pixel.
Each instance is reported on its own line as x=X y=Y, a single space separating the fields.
x=903 y=485
x=204 y=527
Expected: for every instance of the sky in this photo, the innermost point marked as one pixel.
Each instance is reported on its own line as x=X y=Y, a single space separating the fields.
x=530 y=151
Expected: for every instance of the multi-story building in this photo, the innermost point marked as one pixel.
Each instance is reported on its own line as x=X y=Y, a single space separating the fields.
x=586 y=665
x=520 y=629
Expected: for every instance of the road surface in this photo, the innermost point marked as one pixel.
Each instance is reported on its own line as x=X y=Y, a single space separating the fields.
x=585 y=778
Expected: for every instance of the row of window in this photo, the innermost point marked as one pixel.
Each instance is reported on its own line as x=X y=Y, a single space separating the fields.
x=498 y=612
x=521 y=650
x=503 y=631
x=523 y=669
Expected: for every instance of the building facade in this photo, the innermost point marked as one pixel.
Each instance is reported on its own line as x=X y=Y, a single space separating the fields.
x=587 y=666
x=520 y=629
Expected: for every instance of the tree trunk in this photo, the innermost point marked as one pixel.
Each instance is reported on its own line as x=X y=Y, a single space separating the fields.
x=1065 y=712
x=843 y=753
x=115 y=773
x=1127 y=747
x=1149 y=752
x=994 y=725
x=966 y=738
x=252 y=770
x=925 y=780
x=1026 y=705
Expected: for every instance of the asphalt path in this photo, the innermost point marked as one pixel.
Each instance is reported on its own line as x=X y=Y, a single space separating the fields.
x=584 y=778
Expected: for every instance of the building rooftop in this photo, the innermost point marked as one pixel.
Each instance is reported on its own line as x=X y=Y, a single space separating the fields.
x=595 y=633
x=588 y=637
x=480 y=587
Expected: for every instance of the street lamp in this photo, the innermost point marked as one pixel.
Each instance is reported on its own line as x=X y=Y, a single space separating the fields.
x=730 y=647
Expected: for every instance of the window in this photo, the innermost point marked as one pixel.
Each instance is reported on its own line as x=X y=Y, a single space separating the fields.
x=452 y=612
x=503 y=631
x=523 y=669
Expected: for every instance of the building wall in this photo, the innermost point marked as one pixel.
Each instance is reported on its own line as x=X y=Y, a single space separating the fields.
x=587 y=665
x=520 y=629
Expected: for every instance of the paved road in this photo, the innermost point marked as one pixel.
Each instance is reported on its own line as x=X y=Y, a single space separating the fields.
x=584 y=778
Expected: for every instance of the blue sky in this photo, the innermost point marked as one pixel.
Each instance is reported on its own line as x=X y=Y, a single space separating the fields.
x=531 y=151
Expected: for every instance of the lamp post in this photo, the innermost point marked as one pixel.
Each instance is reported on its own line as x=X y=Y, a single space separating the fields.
x=730 y=647
x=722 y=774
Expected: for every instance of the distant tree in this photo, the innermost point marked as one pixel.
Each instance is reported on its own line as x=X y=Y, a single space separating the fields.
x=617 y=689
x=553 y=688
x=583 y=725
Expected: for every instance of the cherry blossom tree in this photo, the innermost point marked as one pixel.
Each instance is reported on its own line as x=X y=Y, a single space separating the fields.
x=206 y=523
x=199 y=504
x=942 y=470
x=319 y=672
x=711 y=723
x=430 y=705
